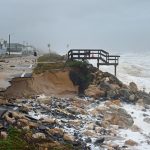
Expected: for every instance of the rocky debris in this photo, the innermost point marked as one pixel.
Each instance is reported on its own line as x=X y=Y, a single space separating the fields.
x=133 y=87
x=131 y=143
x=94 y=91
x=135 y=128
x=68 y=137
x=147 y=120
x=76 y=121
x=39 y=136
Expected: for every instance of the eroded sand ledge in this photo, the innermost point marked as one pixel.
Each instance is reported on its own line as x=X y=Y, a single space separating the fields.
x=54 y=83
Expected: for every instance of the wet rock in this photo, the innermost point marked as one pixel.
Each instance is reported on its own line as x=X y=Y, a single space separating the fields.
x=131 y=143
x=39 y=136
x=68 y=137
x=135 y=128
x=99 y=141
x=133 y=87
x=88 y=140
x=118 y=116
x=132 y=97
x=124 y=93
x=94 y=91
x=147 y=120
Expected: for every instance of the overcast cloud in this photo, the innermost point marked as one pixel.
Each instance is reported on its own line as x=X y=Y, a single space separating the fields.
x=113 y=25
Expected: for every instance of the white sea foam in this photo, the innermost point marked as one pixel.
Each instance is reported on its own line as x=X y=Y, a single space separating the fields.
x=133 y=67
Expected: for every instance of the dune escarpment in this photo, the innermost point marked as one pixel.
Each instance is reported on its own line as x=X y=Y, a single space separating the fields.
x=54 y=83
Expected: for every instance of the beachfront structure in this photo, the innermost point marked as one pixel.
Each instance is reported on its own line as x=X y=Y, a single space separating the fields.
x=15 y=48
x=102 y=57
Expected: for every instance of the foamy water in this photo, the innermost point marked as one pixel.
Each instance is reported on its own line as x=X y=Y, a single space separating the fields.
x=133 y=67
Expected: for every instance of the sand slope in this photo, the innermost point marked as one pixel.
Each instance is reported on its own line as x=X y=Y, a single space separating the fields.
x=51 y=83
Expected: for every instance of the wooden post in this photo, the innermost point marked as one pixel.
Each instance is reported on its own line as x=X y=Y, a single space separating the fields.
x=115 y=67
x=98 y=63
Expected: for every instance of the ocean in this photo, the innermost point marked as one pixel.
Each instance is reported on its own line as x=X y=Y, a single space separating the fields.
x=133 y=67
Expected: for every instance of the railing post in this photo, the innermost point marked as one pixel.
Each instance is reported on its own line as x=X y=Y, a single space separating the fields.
x=115 y=69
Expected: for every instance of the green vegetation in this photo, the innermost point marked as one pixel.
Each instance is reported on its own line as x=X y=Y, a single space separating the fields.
x=49 y=62
x=50 y=58
x=15 y=141
x=80 y=74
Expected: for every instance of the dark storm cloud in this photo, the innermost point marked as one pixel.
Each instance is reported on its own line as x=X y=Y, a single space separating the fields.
x=110 y=24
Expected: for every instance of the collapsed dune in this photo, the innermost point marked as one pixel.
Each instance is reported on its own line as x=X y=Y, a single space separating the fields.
x=54 y=83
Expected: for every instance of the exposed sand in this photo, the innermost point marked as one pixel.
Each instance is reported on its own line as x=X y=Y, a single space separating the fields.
x=55 y=83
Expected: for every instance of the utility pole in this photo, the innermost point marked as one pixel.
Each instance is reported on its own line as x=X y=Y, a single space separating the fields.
x=9 y=44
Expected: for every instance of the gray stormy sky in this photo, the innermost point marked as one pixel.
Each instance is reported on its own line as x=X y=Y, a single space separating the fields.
x=119 y=25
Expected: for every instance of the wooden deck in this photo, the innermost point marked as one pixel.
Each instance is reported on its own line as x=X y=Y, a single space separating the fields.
x=102 y=57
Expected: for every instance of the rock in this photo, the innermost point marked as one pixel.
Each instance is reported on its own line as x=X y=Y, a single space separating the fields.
x=2 y=100
x=118 y=116
x=90 y=126
x=113 y=102
x=33 y=125
x=23 y=122
x=131 y=143
x=88 y=140
x=147 y=120
x=45 y=100
x=124 y=93
x=39 y=136
x=114 y=86
x=94 y=91
x=135 y=128
x=26 y=128
x=3 y=135
x=49 y=120
x=75 y=122
x=2 y=112
x=17 y=115
x=99 y=141
x=56 y=132
x=132 y=97
x=112 y=93
x=25 y=109
x=9 y=119
x=105 y=85
x=76 y=110
x=133 y=87
x=90 y=133
x=68 y=137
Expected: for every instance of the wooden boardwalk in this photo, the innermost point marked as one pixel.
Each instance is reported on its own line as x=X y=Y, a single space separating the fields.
x=102 y=57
